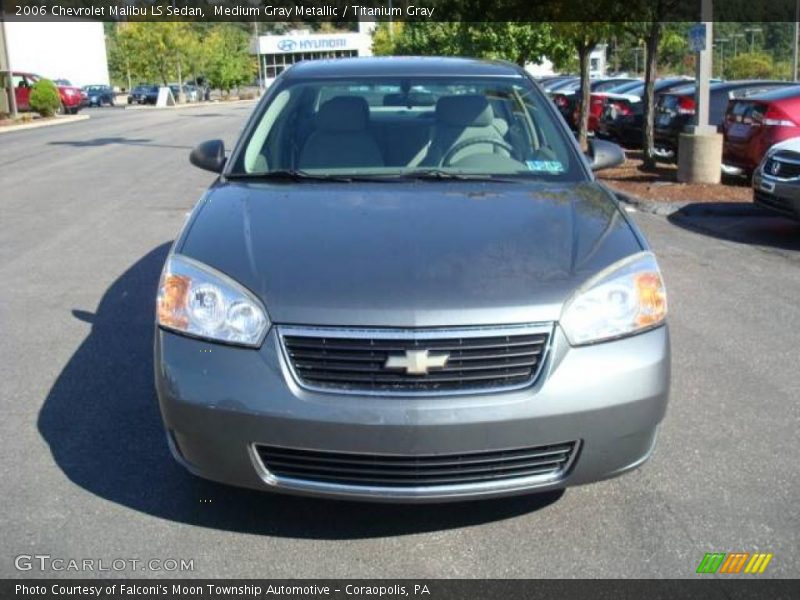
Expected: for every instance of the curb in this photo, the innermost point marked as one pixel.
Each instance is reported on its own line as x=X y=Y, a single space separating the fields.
x=692 y=209
x=189 y=105
x=664 y=209
x=47 y=123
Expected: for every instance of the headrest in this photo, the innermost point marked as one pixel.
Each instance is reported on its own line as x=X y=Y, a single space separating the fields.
x=501 y=125
x=471 y=110
x=343 y=113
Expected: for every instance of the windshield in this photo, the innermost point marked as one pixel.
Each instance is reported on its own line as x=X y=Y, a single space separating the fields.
x=388 y=127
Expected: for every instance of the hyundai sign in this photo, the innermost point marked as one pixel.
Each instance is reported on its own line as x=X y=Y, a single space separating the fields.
x=286 y=44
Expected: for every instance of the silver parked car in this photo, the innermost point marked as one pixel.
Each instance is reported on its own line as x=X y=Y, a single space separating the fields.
x=405 y=285
x=776 y=181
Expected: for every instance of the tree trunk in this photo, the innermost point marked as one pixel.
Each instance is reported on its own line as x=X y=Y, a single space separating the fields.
x=584 y=52
x=648 y=143
x=181 y=99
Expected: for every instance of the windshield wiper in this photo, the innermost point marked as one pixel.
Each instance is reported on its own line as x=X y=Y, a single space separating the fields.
x=442 y=175
x=291 y=175
x=424 y=174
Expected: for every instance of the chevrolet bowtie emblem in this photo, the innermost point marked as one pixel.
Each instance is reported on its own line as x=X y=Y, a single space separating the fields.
x=417 y=362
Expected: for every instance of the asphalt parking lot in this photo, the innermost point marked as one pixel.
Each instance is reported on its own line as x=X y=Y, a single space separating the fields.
x=87 y=213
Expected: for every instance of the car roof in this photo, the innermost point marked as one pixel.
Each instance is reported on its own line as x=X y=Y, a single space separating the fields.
x=782 y=93
x=728 y=85
x=402 y=66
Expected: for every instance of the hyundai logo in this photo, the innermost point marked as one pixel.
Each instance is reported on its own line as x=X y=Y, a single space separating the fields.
x=287 y=45
x=775 y=167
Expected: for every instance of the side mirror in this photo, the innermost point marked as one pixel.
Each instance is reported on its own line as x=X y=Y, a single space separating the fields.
x=604 y=155
x=209 y=156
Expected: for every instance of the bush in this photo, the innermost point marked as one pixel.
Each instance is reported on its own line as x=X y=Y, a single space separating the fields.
x=45 y=98
x=750 y=66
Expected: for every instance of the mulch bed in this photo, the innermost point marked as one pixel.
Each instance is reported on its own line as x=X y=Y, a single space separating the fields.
x=662 y=184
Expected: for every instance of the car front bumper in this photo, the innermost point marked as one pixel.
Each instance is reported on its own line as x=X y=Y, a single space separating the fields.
x=219 y=401
x=780 y=196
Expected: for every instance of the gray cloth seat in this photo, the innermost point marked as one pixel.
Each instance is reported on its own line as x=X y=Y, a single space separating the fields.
x=462 y=118
x=341 y=137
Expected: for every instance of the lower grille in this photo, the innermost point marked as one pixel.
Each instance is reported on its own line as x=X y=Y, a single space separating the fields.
x=415 y=361
x=545 y=462
x=776 y=203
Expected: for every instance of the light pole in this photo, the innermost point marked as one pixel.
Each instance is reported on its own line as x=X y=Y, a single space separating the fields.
x=721 y=43
x=736 y=37
x=795 y=41
x=636 y=51
x=752 y=31
x=5 y=68
x=700 y=147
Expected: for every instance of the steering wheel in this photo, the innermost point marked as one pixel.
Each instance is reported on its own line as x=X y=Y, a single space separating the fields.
x=472 y=142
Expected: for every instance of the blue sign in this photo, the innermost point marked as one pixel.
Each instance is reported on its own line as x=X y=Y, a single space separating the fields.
x=697 y=38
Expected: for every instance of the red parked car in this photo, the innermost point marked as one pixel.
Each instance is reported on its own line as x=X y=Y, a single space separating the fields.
x=753 y=125
x=71 y=100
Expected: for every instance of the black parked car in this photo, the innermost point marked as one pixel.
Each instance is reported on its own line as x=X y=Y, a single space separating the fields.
x=553 y=83
x=622 y=119
x=143 y=94
x=98 y=95
x=675 y=109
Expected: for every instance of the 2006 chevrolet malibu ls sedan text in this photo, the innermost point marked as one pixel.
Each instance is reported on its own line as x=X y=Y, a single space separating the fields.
x=406 y=285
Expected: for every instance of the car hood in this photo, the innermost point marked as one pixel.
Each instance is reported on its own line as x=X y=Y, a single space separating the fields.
x=409 y=254
x=792 y=145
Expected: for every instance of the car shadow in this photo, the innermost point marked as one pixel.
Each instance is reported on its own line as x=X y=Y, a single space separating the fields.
x=102 y=424
x=742 y=222
x=115 y=141
x=207 y=115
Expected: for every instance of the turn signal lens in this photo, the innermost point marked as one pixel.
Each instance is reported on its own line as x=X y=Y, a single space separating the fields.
x=199 y=301
x=652 y=299
x=171 y=300
x=627 y=298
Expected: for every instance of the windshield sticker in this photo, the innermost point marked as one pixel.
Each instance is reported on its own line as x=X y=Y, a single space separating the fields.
x=545 y=166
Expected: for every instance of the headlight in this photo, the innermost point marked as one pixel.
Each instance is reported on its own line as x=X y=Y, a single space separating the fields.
x=626 y=298
x=197 y=300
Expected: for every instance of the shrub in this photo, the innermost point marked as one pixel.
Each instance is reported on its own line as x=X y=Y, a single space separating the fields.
x=45 y=98
x=750 y=66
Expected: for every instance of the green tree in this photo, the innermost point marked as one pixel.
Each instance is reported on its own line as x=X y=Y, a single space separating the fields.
x=583 y=38
x=121 y=51
x=649 y=30
x=229 y=63
x=384 y=36
x=520 y=43
x=45 y=98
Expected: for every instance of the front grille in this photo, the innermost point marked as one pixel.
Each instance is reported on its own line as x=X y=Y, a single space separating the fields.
x=344 y=468
x=776 y=203
x=783 y=165
x=355 y=361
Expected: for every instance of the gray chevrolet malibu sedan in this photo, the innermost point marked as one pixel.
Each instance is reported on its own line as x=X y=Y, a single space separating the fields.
x=405 y=285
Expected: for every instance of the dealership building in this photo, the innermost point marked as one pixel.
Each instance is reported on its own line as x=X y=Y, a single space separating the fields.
x=277 y=52
x=66 y=49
